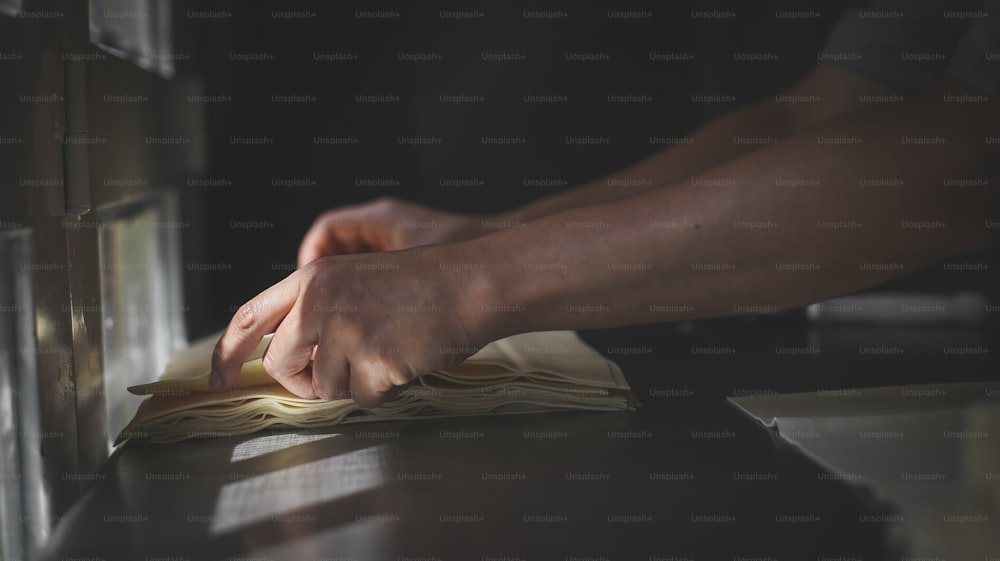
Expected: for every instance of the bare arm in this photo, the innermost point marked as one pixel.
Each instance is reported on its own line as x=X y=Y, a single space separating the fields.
x=847 y=204
x=829 y=89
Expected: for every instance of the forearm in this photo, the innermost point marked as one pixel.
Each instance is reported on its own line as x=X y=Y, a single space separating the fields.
x=721 y=140
x=779 y=227
x=825 y=92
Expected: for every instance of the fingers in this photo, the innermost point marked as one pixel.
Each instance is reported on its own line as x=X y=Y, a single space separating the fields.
x=368 y=379
x=300 y=383
x=287 y=358
x=372 y=381
x=331 y=372
x=258 y=317
x=333 y=233
x=323 y=346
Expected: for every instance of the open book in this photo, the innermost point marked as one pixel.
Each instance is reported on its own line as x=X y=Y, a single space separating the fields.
x=527 y=373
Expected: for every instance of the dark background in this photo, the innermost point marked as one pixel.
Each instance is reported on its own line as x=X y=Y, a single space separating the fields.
x=261 y=256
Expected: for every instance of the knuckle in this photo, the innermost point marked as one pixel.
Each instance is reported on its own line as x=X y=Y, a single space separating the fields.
x=364 y=396
x=312 y=286
x=246 y=316
x=395 y=376
x=381 y=374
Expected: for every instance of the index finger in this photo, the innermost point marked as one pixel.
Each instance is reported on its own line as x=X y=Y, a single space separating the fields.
x=255 y=319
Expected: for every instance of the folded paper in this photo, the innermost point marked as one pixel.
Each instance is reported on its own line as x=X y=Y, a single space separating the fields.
x=527 y=373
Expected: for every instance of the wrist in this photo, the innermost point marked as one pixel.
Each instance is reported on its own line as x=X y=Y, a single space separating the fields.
x=482 y=296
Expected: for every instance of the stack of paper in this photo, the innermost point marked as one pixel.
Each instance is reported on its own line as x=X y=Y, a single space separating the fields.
x=528 y=373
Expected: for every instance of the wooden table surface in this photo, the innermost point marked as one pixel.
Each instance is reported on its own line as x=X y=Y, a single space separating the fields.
x=686 y=477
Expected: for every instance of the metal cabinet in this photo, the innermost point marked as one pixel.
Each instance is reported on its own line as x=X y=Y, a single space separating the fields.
x=90 y=266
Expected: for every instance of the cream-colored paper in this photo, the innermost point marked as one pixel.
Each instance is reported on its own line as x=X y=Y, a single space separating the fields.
x=531 y=372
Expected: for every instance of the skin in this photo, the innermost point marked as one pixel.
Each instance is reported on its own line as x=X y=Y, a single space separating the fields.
x=712 y=233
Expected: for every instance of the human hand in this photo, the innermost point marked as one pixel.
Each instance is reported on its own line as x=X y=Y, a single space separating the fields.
x=386 y=224
x=360 y=325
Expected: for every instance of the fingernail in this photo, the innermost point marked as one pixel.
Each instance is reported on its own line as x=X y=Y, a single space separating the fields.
x=215 y=380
